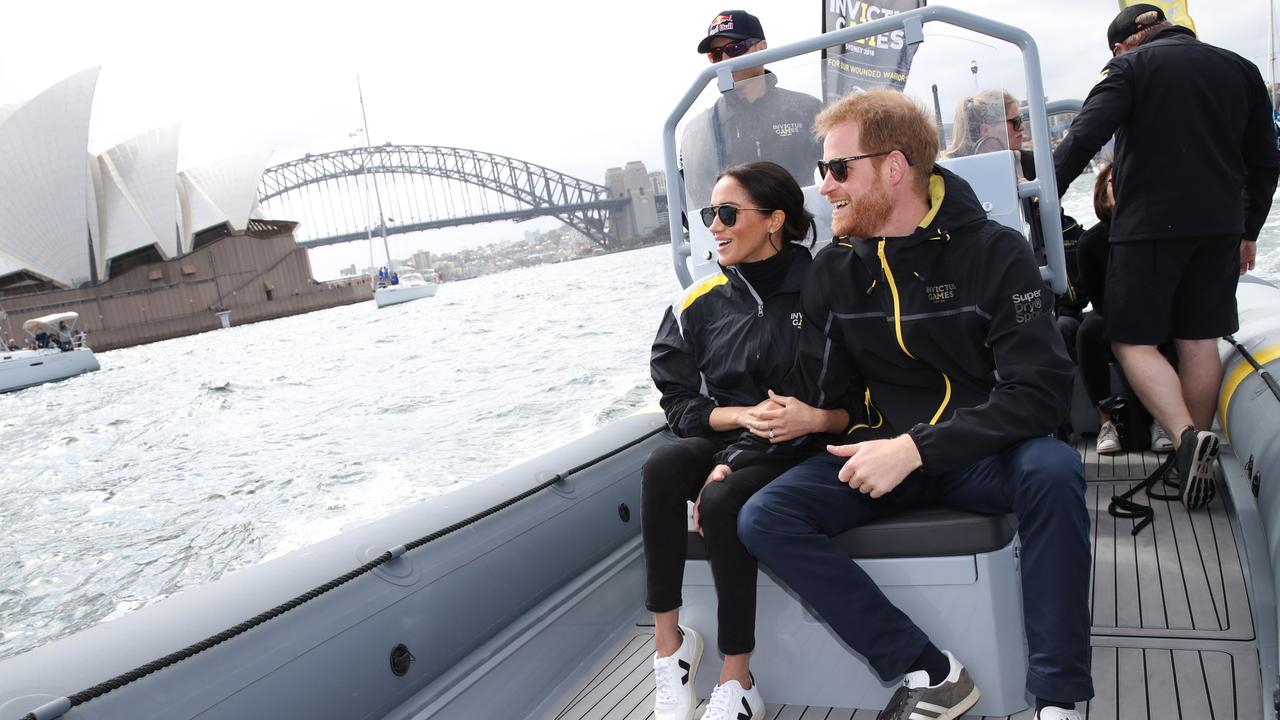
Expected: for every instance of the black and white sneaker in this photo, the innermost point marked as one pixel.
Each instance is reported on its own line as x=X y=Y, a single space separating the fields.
x=1194 y=464
x=674 y=674
x=916 y=699
x=730 y=702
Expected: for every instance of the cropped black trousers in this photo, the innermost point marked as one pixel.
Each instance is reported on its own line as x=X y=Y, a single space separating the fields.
x=674 y=474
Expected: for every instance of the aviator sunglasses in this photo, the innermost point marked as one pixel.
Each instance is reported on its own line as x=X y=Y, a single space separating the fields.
x=1016 y=122
x=728 y=214
x=733 y=50
x=839 y=167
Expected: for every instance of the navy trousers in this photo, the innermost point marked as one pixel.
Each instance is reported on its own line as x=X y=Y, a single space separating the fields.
x=788 y=526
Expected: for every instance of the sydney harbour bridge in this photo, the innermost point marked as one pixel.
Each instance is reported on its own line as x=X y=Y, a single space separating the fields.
x=339 y=196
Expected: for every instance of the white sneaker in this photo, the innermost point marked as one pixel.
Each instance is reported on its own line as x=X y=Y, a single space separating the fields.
x=1108 y=439
x=730 y=702
x=1057 y=713
x=1160 y=442
x=674 y=674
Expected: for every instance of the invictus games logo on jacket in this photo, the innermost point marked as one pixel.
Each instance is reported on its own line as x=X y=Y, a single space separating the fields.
x=1027 y=305
x=722 y=23
x=797 y=319
x=941 y=292
x=788 y=129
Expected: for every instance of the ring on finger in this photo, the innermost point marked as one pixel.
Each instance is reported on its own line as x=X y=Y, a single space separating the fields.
x=770 y=434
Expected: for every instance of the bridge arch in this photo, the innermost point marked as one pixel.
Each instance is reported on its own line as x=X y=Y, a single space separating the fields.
x=537 y=190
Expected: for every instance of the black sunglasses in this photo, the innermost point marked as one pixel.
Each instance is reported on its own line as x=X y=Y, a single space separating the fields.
x=728 y=214
x=839 y=167
x=733 y=50
x=1015 y=121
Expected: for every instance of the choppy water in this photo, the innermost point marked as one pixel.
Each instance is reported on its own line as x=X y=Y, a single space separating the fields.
x=183 y=460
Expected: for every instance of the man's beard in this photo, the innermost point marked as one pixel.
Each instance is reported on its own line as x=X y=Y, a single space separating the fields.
x=866 y=214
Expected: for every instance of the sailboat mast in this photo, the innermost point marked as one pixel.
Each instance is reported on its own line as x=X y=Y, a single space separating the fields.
x=368 y=143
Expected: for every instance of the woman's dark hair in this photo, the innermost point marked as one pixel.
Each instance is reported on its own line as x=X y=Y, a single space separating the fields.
x=772 y=187
x=1101 y=205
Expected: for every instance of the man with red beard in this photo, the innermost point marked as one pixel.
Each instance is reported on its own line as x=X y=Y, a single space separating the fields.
x=940 y=316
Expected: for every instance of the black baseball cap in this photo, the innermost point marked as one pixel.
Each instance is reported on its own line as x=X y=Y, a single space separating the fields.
x=736 y=24
x=1126 y=23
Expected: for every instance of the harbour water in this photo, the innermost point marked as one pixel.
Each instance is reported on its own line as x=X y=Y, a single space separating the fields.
x=184 y=460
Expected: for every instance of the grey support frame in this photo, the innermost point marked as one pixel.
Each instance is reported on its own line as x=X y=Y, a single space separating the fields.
x=912 y=22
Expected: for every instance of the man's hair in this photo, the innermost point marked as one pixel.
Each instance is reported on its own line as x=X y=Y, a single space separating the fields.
x=887 y=120
x=1153 y=24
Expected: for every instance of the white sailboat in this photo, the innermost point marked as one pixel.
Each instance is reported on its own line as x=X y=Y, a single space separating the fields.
x=406 y=286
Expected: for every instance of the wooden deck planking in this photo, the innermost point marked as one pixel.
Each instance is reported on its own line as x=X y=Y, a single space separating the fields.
x=1181 y=576
x=1134 y=679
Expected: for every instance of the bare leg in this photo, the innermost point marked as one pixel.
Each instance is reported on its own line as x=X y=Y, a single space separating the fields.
x=1157 y=385
x=737 y=667
x=1200 y=370
x=666 y=633
x=1104 y=417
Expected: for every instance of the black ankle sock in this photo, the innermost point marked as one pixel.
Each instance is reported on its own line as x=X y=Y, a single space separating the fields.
x=932 y=661
x=1041 y=704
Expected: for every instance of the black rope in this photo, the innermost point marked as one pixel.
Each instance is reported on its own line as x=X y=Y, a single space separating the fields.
x=1266 y=376
x=142 y=671
x=1125 y=507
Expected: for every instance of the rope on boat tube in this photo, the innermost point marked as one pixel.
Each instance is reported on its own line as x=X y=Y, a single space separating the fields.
x=59 y=707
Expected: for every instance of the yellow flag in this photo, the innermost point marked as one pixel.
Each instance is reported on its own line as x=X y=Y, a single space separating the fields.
x=1174 y=10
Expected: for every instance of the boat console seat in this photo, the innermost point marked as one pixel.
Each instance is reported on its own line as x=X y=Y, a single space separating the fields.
x=924 y=532
x=954 y=573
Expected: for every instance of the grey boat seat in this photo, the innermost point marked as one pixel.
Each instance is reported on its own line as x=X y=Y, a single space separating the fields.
x=921 y=532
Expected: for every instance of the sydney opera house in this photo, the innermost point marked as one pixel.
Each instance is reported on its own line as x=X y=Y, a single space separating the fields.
x=79 y=229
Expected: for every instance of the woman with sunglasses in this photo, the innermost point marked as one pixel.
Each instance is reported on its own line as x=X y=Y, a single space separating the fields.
x=722 y=346
x=987 y=122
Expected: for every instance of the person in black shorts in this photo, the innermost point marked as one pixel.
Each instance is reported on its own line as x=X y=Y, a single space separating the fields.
x=1195 y=169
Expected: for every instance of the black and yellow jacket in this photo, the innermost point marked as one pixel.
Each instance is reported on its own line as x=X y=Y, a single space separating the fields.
x=948 y=334
x=721 y=344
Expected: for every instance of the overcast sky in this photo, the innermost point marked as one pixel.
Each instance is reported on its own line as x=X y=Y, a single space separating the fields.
x=576 y=85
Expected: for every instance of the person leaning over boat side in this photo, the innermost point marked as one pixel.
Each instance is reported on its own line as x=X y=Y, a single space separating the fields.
x=734 y=334
x=757 y=121
x=1195 y=169
x=966 y=382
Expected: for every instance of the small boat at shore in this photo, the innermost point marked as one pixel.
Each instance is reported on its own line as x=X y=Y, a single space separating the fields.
x=52 y=359
x=412 y=286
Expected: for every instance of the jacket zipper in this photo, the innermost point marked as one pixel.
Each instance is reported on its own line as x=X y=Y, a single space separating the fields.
x=897 y=327
x=759 y=302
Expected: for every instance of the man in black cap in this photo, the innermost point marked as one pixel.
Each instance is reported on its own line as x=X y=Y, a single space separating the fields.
x=757 y=120
x=1195 y=169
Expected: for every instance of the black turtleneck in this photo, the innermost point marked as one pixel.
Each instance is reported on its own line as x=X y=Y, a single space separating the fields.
x=767 y=275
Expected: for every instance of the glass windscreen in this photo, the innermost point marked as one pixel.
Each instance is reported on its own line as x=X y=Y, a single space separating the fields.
x=971 y=85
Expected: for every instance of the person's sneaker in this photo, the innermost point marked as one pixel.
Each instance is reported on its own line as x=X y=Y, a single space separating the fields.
x=674 y=674
x=916 y=698
x=1197 y=453
x=730 y=702
x=1108 y=439
x=1057 y=713
x=1160 y=442
x=1193 y=468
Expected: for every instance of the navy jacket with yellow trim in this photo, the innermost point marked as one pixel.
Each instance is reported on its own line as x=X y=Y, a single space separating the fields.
x=948 y=331
x=720 y=344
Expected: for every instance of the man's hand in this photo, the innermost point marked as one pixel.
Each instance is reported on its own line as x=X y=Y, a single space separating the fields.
x=718 y=474
x=876 y=467
x=1248 y=255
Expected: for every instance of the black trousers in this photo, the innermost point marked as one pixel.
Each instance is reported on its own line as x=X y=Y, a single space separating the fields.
x=673 y=475
x=1093 y=354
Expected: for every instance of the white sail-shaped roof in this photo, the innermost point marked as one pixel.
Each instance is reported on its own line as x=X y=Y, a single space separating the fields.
x=44 y=180
x=198 y=211
x=136 y=204
x=231 y=184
